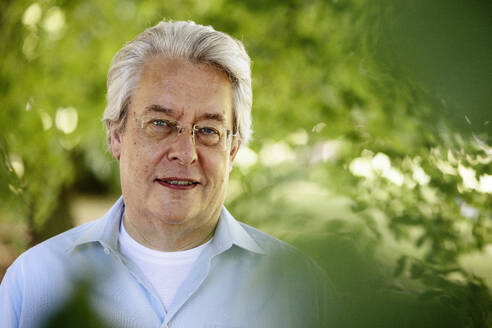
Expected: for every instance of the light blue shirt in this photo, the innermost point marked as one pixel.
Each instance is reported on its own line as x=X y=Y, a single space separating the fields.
x=246 y=278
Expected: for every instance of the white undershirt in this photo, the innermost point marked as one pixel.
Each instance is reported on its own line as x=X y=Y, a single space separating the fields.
x=164 y=270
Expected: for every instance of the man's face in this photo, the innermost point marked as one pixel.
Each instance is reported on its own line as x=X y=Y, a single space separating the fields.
x=175 y=181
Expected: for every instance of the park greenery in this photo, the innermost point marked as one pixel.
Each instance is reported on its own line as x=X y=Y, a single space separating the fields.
x=371 y=149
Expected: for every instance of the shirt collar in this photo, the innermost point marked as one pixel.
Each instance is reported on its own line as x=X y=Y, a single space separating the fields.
x=105 y=230
x=228 y=232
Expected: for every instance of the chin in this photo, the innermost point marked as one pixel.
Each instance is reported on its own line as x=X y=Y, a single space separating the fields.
x=170 y=216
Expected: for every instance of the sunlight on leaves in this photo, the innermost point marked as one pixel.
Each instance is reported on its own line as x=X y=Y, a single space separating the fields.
x=66 y=119
x=32 y=15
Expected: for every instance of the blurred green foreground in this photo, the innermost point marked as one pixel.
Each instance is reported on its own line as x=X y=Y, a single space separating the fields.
x=372 y=145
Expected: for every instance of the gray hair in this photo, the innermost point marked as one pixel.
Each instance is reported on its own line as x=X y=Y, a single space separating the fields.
x=186 y=40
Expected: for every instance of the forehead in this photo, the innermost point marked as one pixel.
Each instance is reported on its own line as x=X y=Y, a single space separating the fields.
x=187 y=89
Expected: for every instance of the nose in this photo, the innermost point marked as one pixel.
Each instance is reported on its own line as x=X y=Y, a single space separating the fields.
x=182 y=149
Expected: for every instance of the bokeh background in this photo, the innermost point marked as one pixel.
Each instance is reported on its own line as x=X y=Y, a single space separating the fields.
x=372 y=148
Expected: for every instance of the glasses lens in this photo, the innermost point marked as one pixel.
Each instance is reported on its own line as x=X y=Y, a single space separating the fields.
x=159 y=129
x=208 y=136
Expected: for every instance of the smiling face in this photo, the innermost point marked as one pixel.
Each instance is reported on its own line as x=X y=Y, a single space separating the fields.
x=175 y=182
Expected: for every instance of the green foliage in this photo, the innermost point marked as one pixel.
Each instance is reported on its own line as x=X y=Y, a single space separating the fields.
x=76 y=312
x=371 y=144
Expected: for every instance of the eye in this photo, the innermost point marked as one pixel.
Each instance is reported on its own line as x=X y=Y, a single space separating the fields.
x=161 y=123
x=205 y=130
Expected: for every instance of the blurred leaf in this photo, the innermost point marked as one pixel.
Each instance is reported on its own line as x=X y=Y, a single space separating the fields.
x=400 y=266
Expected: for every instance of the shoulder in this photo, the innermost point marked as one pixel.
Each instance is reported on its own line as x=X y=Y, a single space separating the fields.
x=62 y=241
x=269 y=243
x=299 y=276
x=40 y=278
x=54 y=251
x=286 y=254
x=274 y=246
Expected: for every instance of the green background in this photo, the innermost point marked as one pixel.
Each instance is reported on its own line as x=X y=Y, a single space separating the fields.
x=371 y=147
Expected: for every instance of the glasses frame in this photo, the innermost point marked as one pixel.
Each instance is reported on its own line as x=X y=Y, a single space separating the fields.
x=177 y=129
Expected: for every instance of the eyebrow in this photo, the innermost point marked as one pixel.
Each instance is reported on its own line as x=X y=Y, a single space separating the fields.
x=212 y=116
x=206 y=116
x=159 y=108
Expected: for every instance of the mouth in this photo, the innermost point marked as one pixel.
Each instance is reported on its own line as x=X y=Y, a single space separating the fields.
x=177 y=183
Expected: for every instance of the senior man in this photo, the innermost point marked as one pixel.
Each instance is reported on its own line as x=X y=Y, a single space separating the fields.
x=168 y=254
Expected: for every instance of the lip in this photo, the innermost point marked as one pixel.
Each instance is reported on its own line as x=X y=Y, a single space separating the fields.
x=163 y=182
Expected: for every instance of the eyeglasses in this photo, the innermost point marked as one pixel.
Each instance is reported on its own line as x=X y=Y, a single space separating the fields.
x=207 y=135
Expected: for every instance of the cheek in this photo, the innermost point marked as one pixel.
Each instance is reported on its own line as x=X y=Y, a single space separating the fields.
x=218 y=172
x=145 y=162
x=138 y=160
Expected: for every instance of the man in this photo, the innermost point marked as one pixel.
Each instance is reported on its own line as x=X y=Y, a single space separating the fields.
x=168 y=254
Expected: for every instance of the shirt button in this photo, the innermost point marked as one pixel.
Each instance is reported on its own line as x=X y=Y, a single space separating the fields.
x=106 y=250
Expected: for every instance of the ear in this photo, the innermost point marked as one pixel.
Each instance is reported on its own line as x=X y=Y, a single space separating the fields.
x=115 y=141
x=236 y=144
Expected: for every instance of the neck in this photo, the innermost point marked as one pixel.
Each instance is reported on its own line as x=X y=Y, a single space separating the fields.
x=156 y=234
